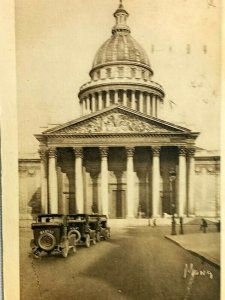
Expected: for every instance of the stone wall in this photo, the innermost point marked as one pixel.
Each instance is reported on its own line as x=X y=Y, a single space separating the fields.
x=206 y=184
x=29 y=190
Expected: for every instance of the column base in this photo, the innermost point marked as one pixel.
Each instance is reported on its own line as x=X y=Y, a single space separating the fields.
x=130 y=217
x=191 y=216
x=156 y=217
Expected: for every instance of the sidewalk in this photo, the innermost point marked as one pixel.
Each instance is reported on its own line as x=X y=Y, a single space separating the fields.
x=204 y=245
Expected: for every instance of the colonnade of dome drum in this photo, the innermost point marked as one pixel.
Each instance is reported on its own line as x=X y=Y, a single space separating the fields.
x=134 y=99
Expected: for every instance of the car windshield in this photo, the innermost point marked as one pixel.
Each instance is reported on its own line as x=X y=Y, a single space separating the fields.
x=47 y=219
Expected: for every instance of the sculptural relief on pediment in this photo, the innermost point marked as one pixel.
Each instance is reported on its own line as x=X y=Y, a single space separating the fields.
x=113 y=123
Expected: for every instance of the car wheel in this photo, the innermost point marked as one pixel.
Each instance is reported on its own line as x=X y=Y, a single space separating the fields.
x=87 y=241
x=107 y=235
x=65 y=250
x=47 y=241
x=98 y=237
x=76 y=233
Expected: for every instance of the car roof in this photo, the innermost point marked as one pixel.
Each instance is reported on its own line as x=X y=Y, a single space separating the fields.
x=77 y=215
x=50 y=215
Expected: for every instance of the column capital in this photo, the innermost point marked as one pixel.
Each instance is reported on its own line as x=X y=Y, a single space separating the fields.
x=156 y=151
x=78 y=152
x=52 y=152
x=130 y=151
x=42 y=154
x=191 y=152
x=104 y=151
x=182 y=150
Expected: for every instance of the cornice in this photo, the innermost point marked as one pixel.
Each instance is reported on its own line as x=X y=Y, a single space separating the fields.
x=128 y=134
x=100 y=85
x=122 y=63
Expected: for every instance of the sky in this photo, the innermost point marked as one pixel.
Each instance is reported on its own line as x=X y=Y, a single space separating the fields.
x=56 y=42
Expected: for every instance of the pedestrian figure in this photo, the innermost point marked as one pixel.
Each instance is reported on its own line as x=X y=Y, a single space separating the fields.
x=181 y=226
x=154 y=222
x=218 y=226
x=173 y=229
x=204 y=225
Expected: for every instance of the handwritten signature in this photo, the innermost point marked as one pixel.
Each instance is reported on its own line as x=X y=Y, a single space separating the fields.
x=189 y=269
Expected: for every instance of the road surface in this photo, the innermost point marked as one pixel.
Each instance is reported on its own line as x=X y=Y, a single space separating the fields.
x=136 y=263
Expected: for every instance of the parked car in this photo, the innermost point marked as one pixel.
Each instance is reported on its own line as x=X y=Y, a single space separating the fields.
x=50 y=235
x=104 y=228
x=79 y=224
x=95 y=225
x=99 y=224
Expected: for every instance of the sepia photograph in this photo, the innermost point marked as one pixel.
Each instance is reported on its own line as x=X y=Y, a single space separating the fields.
x=119 y=151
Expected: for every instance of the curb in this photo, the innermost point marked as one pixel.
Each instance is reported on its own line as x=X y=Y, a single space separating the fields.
x=215 y=264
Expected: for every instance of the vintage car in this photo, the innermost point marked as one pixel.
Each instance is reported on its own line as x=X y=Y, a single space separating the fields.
x=79 y=225
x=104 y=228
x=50 y=235
x=95 y=225
x=99 y=224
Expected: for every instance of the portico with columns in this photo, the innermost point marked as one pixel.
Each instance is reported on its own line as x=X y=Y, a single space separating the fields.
x=117 y=162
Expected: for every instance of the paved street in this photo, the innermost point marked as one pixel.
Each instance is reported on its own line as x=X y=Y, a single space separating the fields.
x=136 y=263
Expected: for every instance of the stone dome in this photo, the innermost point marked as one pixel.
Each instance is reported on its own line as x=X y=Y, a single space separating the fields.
x=121 y=74
x=121 y=47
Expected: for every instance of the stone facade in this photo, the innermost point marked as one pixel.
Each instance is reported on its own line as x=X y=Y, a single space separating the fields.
x=119 y=158
x=205 y=190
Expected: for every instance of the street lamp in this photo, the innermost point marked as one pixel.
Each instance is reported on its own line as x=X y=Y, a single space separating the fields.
x=172 y=177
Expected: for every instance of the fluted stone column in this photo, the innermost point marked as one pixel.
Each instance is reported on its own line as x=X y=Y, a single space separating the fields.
x=148 y=105
x=130 y=182
x=156 y=106
x=44 y=182
x=182 y=188
x=104 y=180
x=107 y=98
x=88 y=105
x=52 y=181
x=153 y=106
x=94 y=102
x=141 y=102
x=79 y=190
x=100 y=102
x=156 y=182
x=133 y=104
x=84 y=106
x=81 y=107
x=116 y=97
x=124 y=98
x=191 y=174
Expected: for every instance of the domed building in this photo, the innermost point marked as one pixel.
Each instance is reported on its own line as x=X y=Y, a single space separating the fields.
x=119 y=157
x=121 y=74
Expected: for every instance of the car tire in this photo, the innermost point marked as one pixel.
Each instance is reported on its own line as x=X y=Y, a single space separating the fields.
x=47 y=241
x=75 y=232
x=107 y=235
x=88 y=241
x=98 y=237
x=65 y=250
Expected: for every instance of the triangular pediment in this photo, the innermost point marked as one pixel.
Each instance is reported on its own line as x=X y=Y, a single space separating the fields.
x=116 y=120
